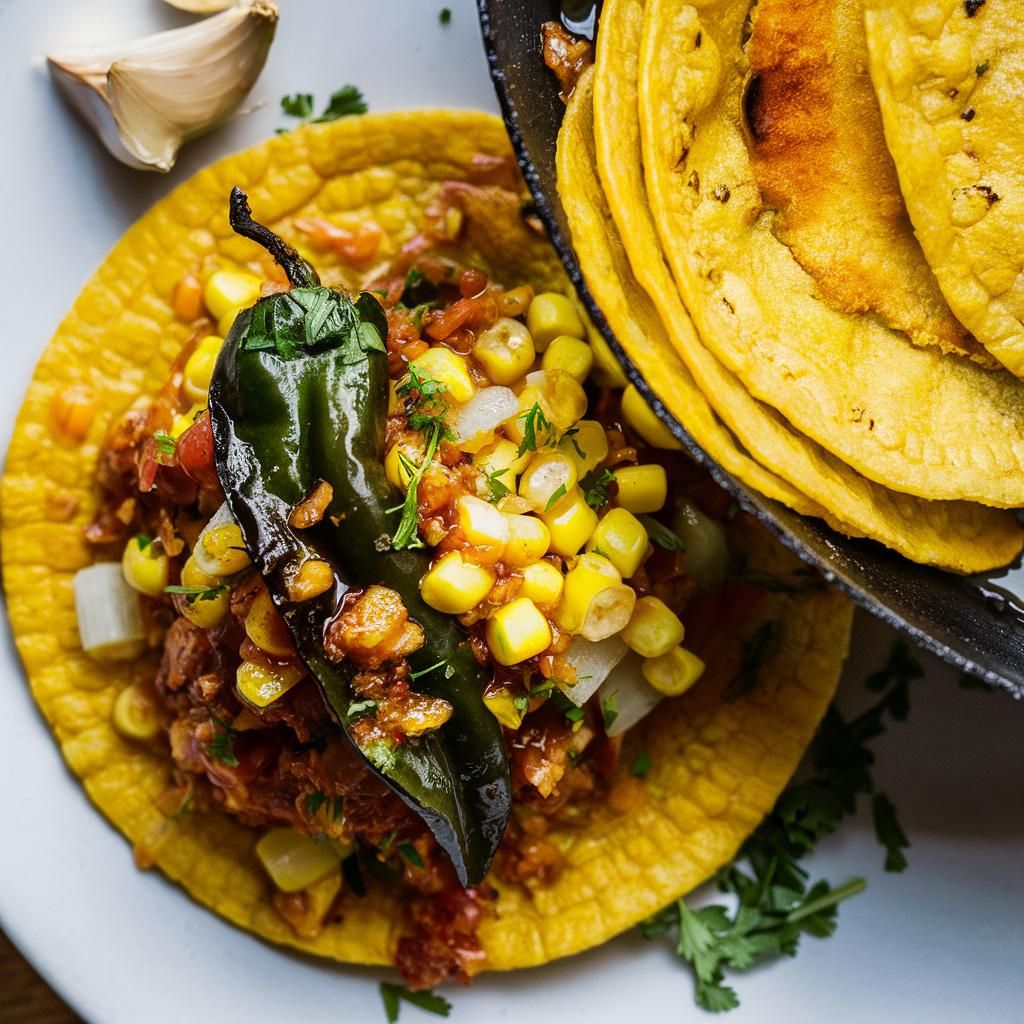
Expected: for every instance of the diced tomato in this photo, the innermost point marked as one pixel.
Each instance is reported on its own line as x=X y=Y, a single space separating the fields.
x=195 y=452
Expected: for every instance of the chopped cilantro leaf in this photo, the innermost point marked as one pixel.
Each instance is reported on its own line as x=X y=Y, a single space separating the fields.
x=344 y=102
x=497 y=487
x=165 y=444
x=535 y=423
x=609 y=709
x=756 y=651
x=299 y=104
x=143 y=540
x=556 y=496
x=661 y=535
x=445 y=16
x=410 y=853
x=570 y=436
x=521 y=703
x=407 y=535
x=641 y=764
x=222 y=746
x=595 y=487
x=427 y=671
x=424 y=404
x=360 y=709
x=393 y=995
x=314 y=802
x=198 y=593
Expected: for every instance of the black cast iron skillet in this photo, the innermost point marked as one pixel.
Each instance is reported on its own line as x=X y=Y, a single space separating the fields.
x=976 y=623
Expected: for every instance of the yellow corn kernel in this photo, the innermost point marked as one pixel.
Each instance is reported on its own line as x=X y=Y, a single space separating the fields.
x=294 y=862
x=644 y=420
x=195 y=380
x=528 y=540
x=73 y=411
x=207 y=609
x=135 y=714
x=570 y=523
x=505 y=351
x=561 y=397
x=260 y=685
x=673 y=673
x=454 y=585
x=402 y=459
x=547 y=481
x=550 y=315
x=220 y=551
x=266 y=629
x=641 y=488
x=448 y=369
x=607 y=372
x=501 y=704
x=654 y=628
x=517 y=631
x=586 y=444
x=145 y=569
x=622 y=539
x=542 y=584
x=570 y=355
x=313 y=578
x=590 y=575
x=502 y=462
x=483 y=525
x=228 y=291
x=185 y=420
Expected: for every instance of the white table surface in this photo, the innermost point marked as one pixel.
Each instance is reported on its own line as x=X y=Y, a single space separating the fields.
x=942 y=942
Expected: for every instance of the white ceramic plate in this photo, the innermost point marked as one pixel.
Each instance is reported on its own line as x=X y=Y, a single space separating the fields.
x=940 y=943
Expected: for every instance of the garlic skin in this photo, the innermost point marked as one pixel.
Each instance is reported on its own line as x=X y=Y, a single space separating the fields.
x=146 y=98
x=200 y=6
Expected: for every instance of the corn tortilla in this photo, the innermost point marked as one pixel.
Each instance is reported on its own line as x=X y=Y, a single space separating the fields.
x=959 y=536
x=948 y=77
x=717 y=766
x=912 y=419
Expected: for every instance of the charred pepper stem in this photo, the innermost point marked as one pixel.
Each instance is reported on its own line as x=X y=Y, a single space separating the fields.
x=299 y=395
x=300 y=273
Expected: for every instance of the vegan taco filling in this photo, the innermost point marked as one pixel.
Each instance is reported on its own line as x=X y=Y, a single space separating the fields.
x=382 y=584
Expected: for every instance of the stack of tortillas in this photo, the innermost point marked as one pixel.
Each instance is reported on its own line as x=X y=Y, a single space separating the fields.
x=804 y=222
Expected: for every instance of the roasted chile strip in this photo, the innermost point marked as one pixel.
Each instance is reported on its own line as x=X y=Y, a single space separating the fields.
x=300 y=395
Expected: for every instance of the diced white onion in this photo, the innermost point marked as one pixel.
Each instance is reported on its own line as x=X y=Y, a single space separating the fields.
x=592 y=662
x=109 y=620
x=634 y=696
x=475 y=423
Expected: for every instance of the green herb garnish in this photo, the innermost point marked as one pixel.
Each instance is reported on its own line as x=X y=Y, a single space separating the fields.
x=445 y=16
x=556 y=496
x=314 y=802
x=344 y=102
x=222 y=746
x=427 y=671
x=641 y=765
x=165 y=444
x=143 y=541
x=570 y=436
x=410 y=853
x=406 y=536
x=595 y=487
x=393 y=995
x=424 y=404
x=360 y=709
x=661 y=535
x=609 y=710
x=198 y=593
x=756 y=651
x=775 y=902
x=535 y=423
x=497 y=488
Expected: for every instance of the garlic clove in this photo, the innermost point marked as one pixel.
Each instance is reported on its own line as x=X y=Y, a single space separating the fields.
x=201 y=6
x=145 y=98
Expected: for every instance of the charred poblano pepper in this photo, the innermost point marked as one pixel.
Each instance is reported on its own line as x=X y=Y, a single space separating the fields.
x=300 y=395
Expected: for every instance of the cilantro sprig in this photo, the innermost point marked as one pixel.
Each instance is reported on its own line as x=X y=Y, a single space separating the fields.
x=344 y=102
x=194 y=594
x=393 y=996
x=775 y=902
x=595 y=486
x=425 y=404
x=535 y=426
x=222 y=746
x=407 y=536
